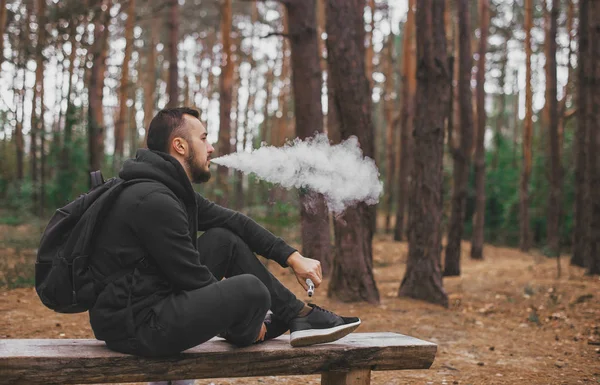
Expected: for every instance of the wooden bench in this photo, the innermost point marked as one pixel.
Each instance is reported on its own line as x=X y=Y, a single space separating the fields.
x=346 y=361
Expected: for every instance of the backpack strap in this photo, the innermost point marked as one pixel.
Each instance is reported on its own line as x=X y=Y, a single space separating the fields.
x=96 y=179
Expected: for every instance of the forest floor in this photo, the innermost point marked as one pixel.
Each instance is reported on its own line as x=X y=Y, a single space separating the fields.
x=510 y=319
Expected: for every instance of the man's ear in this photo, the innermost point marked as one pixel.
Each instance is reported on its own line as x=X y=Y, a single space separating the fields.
x=179 y=145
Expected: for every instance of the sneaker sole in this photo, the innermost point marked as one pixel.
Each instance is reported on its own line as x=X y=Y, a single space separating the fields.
x=321 y=336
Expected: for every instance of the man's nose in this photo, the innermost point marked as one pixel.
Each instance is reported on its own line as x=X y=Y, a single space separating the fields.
x=210 y=148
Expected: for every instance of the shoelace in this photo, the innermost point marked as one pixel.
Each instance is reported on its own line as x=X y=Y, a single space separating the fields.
x=324 y=310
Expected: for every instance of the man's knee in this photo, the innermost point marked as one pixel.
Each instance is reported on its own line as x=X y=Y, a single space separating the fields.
x=253 y=290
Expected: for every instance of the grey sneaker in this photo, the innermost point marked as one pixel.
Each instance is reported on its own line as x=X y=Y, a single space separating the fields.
x=320 y=326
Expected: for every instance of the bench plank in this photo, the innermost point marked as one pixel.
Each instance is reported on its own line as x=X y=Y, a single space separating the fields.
x=47 y=361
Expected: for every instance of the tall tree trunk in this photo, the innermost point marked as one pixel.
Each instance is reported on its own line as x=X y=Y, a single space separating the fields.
x=390 y=131
x=461 y=155
x=96 y=127
x=525 y=233
x=516 y=120
x=240 y=200
x=246 y=134
x=124 y=88
x=306 y=82
x=409 y=86
x=3 y=13
x=225 y=99
x=562 y=105
x=186 y=90
x=41 y=127
x=172 y=86
x=554 y=198
x=134 y=136
x=479 y=220
x=352 y=275
x=370 y=52
x=150 y=77
x=69 y=118
x=19 y=142
x=20 y=107
x=584 y=64
x=285 y=96
x=265 y=129
x=593 y=198
x=501 y=114
x=322 y=51
x=42 y=202
x=423 y=278
x=37 y=102
x=240 y=114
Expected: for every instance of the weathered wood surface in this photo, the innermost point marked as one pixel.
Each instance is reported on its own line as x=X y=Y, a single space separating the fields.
x=353 y=377
x=64 y=361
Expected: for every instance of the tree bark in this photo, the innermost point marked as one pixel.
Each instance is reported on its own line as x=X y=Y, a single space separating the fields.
x=265 y=129
x=554 y=197
x=322 y=51
x=19 y=57
x=38 y=100
x=124 y=88
x=134 y=136
x=284 y=129
x=525 y=233
x=306 y=82
x=479 y=220
x=516 y=120
x=173 y=24
x=409 y=86
x=501 y=115
x=593 y=191
x=41 y=128
x=225 y=100
x=461 y=155
x=150 y=77
x=3 y=13
x=562 y=105
x=423 y=278
x=370 y=52
x=65 y=169
x=241 y=116
x=390 y=131
x=580 y=227
x=352 y=276
x=96 y=89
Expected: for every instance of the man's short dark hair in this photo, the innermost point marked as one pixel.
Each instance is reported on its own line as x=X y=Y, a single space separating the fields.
x=167 y=124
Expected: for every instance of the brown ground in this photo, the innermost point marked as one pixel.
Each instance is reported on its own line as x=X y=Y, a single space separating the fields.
x=510 y=320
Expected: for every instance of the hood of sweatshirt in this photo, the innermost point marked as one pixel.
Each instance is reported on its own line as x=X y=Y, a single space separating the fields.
x=163 y=168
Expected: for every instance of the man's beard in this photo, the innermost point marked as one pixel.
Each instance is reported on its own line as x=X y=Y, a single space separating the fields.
x=198 y=174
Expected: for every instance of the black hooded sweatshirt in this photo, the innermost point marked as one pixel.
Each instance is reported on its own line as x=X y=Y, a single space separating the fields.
x=150 y=234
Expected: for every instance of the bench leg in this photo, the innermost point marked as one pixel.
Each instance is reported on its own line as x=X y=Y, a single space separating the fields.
x=353 y=377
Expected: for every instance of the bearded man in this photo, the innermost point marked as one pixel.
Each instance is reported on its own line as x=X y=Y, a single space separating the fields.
x=173 y=295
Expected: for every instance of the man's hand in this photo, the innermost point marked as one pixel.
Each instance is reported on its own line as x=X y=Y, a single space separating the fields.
x=262 y=333
x=305 y=268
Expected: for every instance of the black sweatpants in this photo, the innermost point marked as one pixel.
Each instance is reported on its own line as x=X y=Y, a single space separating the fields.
x=236 y=305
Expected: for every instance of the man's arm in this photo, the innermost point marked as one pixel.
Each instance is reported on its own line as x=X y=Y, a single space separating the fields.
x=259 y=239
x=161 y=224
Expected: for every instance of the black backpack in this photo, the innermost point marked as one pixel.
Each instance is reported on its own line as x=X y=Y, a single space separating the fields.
x=63 y=280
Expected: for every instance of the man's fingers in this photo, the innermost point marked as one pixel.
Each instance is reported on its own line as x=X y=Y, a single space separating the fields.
x=303 y=283
x=262 y=333
x=316 y=280
x=320 y=271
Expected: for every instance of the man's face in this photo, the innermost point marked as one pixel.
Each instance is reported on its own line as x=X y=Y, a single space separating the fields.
x=197 y=160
